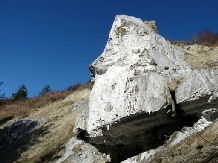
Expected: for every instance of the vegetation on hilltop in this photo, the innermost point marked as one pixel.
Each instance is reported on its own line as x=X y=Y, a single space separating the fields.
x=45 y=90
x=205 y=37
x=23 y=106
x=21 y=93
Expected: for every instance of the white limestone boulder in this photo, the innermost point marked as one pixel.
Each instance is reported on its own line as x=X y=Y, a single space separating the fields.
x=144 y=90
x=132 y=74
x=201 y=82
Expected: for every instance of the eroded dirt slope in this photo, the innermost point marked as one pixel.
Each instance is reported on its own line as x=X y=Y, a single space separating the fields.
x=199 y=56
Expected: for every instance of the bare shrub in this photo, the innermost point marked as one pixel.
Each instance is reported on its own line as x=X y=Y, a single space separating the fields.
x=205 y=37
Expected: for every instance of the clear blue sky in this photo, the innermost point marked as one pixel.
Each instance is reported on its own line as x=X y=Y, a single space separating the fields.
x=52 y=42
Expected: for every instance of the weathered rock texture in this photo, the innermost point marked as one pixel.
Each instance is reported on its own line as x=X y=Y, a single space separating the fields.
x=82 y=118
x=22 y=127
x=47 y=143
x=144 y=91
x=190 y=145
x=152 y=25
x=77 y=151
x=132 y=74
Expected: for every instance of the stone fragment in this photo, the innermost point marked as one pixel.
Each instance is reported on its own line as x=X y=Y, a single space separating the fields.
x=80 y=105
x=77 y=151
x=82 y=118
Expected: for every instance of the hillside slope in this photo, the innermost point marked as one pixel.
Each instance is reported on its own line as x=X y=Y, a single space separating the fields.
x=47 y=143
x=152 y=101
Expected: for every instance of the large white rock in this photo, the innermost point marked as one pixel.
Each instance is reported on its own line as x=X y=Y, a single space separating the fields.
x=144 y=90
x=132 y=74
x=201 y=82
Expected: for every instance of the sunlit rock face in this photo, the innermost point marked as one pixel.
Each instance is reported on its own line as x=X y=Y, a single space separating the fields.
x=132 y=74
x=200 y=83
x=143 y=92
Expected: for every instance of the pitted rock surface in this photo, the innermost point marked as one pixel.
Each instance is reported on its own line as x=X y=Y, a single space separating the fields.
x=132 y=74
x=144 y=88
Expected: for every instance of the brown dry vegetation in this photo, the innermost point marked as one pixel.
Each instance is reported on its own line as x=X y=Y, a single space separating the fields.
x=205 y=37
x=22 y=108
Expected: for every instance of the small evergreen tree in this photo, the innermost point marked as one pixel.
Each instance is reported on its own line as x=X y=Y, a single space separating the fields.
x=20 y=94
x=45 y=90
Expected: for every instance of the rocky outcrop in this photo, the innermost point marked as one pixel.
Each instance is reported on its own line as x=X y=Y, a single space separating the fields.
x=47 y=143
x=191 y=144
x=145 y=89
x=80 y=105
x=151 y=102
x=152 y=25
x=132 y=74
x=78 y=151
x=20 y=128
x=82 y=118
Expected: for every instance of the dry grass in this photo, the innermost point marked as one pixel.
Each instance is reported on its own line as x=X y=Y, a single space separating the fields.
x=22 y=108
x=179 y=43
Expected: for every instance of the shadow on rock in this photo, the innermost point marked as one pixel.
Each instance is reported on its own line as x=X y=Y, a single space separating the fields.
x=5 y=120
x=10 y=152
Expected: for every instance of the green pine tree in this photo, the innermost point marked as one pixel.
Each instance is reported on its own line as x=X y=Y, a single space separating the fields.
x=20 y=94
x=45 y=90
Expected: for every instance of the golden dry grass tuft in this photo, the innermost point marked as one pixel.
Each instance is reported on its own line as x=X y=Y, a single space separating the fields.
x=22 y=108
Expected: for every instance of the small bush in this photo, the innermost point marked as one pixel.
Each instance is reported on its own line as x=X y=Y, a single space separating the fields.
x=205 y=37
